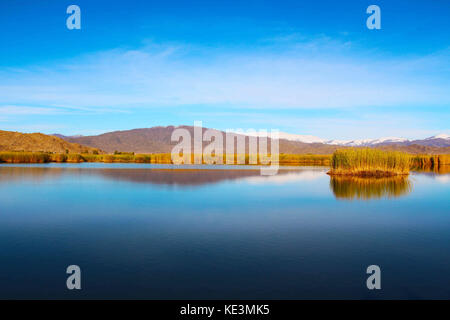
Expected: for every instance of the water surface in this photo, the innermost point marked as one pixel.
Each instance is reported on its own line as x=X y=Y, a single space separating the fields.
x=149 y=231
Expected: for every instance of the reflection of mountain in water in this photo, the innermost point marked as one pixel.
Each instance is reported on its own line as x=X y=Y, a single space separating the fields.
x=369 y=188
x=187 y=177
x=181 y=177
x=208 y=176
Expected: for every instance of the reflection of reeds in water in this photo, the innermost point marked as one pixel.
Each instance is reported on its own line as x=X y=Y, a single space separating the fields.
x=346 y=187
x=442 y=169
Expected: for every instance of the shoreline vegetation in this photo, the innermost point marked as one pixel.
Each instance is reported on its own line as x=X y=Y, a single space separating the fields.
x=155 y=158
x=353 y=161
x=374 y=163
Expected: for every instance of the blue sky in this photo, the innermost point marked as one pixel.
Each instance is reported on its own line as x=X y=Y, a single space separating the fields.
x=305 y=67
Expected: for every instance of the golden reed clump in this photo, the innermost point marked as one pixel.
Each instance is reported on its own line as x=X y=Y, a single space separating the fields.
x=366 y=162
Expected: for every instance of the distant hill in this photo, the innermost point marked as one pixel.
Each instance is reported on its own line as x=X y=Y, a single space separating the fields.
x=148 y=140
x=158 y=140
x=16 y=141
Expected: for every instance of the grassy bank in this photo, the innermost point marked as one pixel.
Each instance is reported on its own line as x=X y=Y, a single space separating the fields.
x=158 y=158
x=342 y=162
x=25 y=157
x=305 y=159
x=43 y=157
x=365 y=162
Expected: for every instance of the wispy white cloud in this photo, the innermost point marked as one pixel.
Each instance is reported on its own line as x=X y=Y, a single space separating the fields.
x=302 y=75
x=26 y=110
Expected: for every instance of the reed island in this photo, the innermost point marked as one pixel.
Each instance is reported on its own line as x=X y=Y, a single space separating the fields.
x=365 y=162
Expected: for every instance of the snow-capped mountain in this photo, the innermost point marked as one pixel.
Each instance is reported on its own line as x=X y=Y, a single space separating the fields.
x=440 y=136
x=289 y=136
x=301 y=138
x=439 y=140
x=367 y=142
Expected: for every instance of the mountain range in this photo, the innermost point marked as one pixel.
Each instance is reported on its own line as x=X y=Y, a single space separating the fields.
x=158 y=140
x=440 y=140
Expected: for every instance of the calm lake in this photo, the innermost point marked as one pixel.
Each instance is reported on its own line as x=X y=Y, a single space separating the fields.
x=149 y=231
